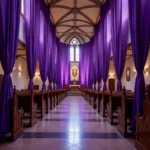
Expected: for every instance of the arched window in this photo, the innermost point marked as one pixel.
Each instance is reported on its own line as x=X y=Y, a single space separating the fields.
x=74 y=50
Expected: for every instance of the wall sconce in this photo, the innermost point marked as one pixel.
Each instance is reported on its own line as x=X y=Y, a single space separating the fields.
x=37 y=76
x=111 y=76
x=145 y=70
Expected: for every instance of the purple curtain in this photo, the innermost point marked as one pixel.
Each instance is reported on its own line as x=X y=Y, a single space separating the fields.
x=91 y=66
x=45 y=42
x=52 y=55
x=81 y=65
x=9 y=34
x=64 y=54
x=84 y=65
x=94 y=59
x=105 y=42
x=119 y=30
x=32 y=28
x=140 y=37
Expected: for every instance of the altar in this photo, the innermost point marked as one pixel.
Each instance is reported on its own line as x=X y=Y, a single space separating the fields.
x=74 y=88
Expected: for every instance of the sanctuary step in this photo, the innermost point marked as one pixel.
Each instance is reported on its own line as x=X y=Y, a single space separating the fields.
x=74 y=93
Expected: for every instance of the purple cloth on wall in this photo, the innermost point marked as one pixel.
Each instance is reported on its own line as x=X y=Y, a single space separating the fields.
x=9 y=33
x=84 y=64
x=45 y=42
x=140 y=37
x=64 y=54
x=52 y=56
x=32 y=28
x=105 y=42
x=119 y=30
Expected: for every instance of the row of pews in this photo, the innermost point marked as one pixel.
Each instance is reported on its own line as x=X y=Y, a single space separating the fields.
x=27 y=106
x=117 y=107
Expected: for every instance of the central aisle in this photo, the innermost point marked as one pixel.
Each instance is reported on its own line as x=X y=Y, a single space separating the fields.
x=73 y=125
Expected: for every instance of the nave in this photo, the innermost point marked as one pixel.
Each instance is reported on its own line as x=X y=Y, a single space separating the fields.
x=72 y=125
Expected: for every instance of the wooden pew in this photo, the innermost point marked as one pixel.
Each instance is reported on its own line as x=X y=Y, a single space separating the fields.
x=39 y=100
x=112 y=106
x=143 y=127
x=99 y=98
x=26 y=101
x=47 y=101
x=16 y=118
x=51 y=99
x=125 y=113
x=103 y=104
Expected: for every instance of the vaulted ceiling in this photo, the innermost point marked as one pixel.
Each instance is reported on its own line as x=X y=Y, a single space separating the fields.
x=74 y=18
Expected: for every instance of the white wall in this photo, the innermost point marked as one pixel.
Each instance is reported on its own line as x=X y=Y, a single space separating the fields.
x=37 y=79
x=19 y=75
x=129 y=63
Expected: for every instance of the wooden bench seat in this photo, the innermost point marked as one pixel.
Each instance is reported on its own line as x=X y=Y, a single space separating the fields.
x=26 y=101
x=40 y=102
x=104 y=101
x=143 y=127
x=16 y=118
x=112 y=106
x=125 y=113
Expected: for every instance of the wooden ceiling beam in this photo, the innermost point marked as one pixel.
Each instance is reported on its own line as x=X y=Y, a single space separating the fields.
x=74 y=26
x=83 y=32
x=64 y=16
x=85 y=16
x=66 y=32
x=76 y=20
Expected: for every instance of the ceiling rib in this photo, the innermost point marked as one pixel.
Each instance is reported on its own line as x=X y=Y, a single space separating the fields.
x=66 y=32
x=68 y=13
x=75 y=22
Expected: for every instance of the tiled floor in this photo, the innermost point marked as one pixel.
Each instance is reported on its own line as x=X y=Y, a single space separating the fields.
x=73 y=125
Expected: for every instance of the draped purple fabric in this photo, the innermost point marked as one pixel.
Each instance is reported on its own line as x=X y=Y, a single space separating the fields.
x=105 y=42
x=94 y=60
x=91 y=66
x=64 y=51
x=119 y=30
x=9 y=33
x=45 y=42
x=140 y=37
x=84 y=65
x=51 y=72
x=81 y=64
x=32 y=28
x=97 y=55
x=87 y=63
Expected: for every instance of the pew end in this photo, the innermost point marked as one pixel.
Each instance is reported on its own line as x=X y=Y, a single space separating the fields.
x=143 y=127
x=16 y=118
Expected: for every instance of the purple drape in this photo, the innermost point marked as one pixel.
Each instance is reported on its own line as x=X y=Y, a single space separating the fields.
x=119 y=30
x=45 y=42
x=81 y=64
x=140 y=37
x=9 y=33
x=51 y=72
x=32 y=28
x=97 y=55
x=105 y=42
x=64 y=55
x=84 y=65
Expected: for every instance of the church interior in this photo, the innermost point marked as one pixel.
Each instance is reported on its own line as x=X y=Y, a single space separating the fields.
x=74 y=75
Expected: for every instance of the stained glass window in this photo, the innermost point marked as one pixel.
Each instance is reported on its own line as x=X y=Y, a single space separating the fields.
x=74 y=50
